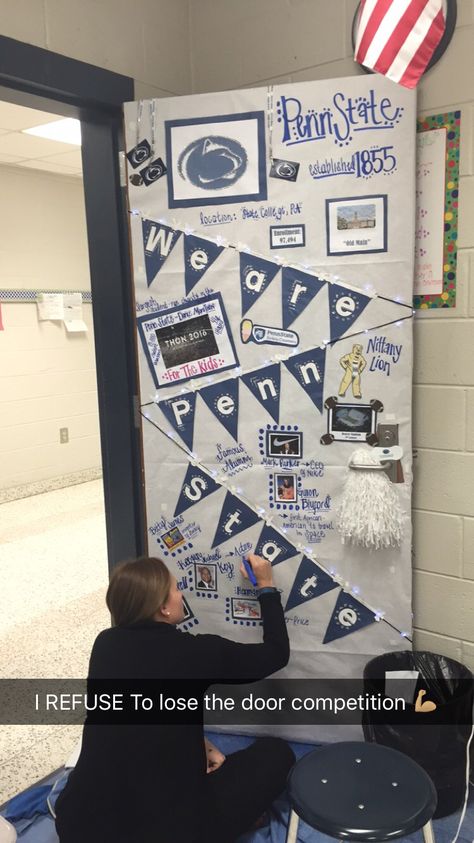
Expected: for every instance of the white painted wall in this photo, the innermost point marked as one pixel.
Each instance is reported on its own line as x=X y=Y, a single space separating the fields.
x=47 y=377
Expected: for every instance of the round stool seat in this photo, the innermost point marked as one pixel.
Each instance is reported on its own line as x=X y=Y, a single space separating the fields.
x=362 y=791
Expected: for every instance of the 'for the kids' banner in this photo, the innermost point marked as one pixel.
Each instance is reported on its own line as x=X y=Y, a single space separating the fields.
x=273 y=241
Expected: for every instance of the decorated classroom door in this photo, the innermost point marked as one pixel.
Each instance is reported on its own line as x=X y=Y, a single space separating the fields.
x=273 y=239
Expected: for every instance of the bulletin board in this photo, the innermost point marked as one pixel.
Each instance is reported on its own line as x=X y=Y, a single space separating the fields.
x=273 y=244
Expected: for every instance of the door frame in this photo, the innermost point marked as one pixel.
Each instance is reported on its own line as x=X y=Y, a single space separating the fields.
x=37 y=78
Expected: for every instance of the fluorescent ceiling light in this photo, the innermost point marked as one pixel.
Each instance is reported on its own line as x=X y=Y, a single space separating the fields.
x=66 y=131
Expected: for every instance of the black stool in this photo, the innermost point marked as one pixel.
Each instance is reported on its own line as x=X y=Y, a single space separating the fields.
x=360 y=791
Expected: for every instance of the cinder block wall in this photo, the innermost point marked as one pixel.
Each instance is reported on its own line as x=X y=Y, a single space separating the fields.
x=182 y=46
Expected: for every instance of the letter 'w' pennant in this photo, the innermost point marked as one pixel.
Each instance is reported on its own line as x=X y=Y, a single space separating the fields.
x=397 y=38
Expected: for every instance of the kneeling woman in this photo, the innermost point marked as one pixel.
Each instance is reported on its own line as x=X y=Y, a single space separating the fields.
x=149 y=783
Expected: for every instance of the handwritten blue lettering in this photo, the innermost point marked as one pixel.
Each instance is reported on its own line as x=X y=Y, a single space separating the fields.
x=340 y=120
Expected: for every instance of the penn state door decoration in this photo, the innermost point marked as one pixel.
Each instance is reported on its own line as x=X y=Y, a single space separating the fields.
x=273 y=267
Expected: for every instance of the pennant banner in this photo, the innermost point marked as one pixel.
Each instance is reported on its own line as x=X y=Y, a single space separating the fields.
x=196 y=486
x=298 y=290
x=223 y=400
x=159 y=241
x=272 y=546
x=345 y=306
x=348 y=616
x=199 y=255
x=310 y=582
x=180 y=414
x=308 y=369
x=265 y=386
x=255 y=276
x=234 y=518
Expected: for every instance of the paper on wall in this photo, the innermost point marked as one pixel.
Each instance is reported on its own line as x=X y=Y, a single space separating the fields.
x=50 y=306
x=73 y=317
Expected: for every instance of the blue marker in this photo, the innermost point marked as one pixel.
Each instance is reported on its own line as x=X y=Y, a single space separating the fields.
x=249 y=570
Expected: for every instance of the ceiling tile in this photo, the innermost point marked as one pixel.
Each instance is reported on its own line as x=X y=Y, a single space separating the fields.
x=29 y=146
x=16 y=117
x=69 y=159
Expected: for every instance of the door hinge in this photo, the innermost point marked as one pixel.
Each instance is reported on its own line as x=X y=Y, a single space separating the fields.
x=122 y=168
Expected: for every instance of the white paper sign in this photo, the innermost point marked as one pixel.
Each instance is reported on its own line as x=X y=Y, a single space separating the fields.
x=73 y=320
x=50 y=306
x=430 y=195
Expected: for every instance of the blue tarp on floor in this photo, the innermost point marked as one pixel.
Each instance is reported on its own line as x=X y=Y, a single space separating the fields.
x=42 y=829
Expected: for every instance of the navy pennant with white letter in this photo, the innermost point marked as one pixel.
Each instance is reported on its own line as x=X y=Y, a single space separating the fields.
x=196 y=486
x=159 y=241
x=255 y=276
x=180 y=414
x=272 y=546
x=234 y=518
x=308 y=369
x=348 y=616
x=223 y=400
x=298 y=289
x=310 y=582
x=199 y=254
x=345 y=306
x=265 y=386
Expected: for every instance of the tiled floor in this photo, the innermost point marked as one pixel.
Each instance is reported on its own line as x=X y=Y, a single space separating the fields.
x=53 y=574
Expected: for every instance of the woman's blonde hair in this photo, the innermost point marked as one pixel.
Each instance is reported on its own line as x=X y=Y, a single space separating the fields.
x=137 y=590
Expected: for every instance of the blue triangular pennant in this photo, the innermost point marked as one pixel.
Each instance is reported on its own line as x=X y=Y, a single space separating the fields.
x=272 y=546
x=158 y=241
x=234 y=518
x=265 y=386
x=348 y=616
x=199 y=254
x=308 y=369
x=223 y=400
x=297 y=290
x=310 y=582
x=255 y=276
x=345 y=306
x=196 y=486
x=180 y=413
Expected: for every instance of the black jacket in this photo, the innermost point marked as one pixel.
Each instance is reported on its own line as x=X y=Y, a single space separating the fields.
x=143 y=783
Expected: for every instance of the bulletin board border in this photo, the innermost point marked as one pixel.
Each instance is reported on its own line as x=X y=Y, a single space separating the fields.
x=451 y=121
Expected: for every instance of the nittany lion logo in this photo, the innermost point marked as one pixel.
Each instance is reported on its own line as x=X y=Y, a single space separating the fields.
x=213 y=163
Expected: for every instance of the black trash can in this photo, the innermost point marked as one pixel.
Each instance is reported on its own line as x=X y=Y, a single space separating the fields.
x=439 y=743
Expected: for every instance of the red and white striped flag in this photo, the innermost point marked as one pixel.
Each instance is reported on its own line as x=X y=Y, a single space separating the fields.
x=398 y=37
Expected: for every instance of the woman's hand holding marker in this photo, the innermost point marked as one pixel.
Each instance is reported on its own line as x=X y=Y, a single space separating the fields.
x=261 y=569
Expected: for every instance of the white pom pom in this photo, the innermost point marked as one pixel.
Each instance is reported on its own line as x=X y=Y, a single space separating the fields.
x=369 y=513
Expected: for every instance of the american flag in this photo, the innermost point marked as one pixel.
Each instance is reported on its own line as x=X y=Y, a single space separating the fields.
x=398 y=37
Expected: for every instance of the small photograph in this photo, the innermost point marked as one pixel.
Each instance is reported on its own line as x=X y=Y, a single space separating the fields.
x=173 y=538
x=246 y=609
x=356 y=225
x=192 y=339
x=281 y=443
x=205 y=577
x=355 y=216
x=285 y=487
x=351 y=422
